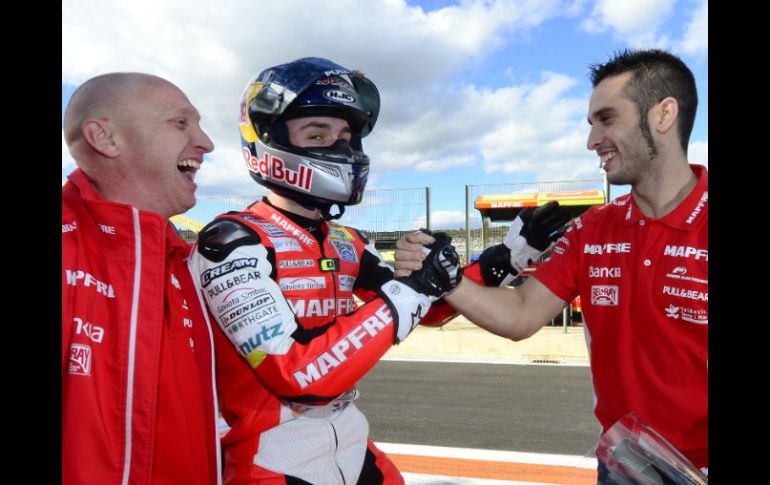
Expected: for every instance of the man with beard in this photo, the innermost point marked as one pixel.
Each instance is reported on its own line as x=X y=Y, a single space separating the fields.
x=639 y=264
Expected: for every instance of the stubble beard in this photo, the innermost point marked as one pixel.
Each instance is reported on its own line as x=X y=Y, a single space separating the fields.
x=637 y=154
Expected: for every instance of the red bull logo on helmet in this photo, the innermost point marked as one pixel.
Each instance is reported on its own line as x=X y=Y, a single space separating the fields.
x=273 y=167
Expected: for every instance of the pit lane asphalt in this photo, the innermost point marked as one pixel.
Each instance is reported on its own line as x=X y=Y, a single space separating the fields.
x=525 y=408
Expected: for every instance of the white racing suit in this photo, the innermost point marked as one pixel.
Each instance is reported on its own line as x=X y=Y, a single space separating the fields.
x=291 y=343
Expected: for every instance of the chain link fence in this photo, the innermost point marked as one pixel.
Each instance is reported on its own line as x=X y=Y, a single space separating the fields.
x=388 y=214
x=385 y=214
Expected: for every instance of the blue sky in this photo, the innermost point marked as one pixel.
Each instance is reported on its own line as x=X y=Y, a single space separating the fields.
x=473 y=92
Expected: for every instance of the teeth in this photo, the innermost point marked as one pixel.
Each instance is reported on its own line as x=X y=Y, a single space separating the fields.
x=189 y=163
x=605 y=157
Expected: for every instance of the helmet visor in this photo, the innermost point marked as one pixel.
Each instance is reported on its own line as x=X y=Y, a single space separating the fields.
x=283 y=83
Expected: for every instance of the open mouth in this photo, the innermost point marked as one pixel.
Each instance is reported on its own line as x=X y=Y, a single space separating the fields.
x=188 y=167
x=605 y=158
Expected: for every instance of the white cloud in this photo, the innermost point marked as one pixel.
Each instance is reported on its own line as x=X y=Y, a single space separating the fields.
x=698 y=152
x=427 y=122
x=441 y=219
x=227 y=175
x=444 y=163
x=544 y=133
x=529 y=129
x=696 y=38
x=210 y=53
x=636 y=22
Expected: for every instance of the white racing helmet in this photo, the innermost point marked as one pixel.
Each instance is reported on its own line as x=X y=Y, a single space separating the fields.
x=311 y=86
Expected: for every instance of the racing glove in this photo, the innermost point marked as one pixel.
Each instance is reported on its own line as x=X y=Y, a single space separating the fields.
x=531 y=234
x=441 y=272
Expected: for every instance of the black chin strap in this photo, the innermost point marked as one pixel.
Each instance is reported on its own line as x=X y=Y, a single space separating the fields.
x=326 y=212
x=310 y=205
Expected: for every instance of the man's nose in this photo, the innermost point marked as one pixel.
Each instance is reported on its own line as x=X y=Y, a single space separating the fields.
x=204 y=142
x=594 y=139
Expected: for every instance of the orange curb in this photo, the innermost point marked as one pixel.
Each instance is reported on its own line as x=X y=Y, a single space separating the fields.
x=498 y=470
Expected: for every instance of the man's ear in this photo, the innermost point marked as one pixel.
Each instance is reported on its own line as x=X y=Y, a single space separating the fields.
x=98 y=133
x=667 y=112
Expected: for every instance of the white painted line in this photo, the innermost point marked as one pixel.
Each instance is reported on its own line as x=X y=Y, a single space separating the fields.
x=481 y=361
x=489 y=455
x=420 y=479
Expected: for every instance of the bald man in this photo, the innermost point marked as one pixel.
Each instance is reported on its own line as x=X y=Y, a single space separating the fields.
x=138 y=398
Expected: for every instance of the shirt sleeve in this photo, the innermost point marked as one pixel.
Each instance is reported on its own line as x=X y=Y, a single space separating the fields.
x=559 y=273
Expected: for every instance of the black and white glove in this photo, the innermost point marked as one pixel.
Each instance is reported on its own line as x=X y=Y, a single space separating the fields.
x=411 y=296
x=531 y=234
x=441 y=269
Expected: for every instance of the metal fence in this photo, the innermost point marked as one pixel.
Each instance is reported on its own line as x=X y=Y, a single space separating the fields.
x=484 y=233
x=385 y=214
x=388 y=214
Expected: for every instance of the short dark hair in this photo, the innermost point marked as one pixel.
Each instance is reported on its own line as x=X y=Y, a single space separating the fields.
x=655 y=74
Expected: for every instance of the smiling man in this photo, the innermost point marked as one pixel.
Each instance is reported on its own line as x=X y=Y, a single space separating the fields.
x=138 y=400
x=639 y=264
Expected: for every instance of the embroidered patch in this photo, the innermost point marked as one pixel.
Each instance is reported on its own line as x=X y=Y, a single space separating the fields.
x=345 y=249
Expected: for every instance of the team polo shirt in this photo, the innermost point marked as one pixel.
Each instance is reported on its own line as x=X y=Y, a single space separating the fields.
x=643 y=284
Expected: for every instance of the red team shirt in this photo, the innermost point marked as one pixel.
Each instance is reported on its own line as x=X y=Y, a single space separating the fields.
x=643 y=284
x=138 y=401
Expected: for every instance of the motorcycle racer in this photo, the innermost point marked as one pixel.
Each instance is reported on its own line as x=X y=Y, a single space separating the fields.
x=279 y=279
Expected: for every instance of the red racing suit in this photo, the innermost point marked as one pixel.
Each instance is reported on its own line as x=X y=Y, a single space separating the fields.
x=292 y=342
x=643 y=285
x=138 y=395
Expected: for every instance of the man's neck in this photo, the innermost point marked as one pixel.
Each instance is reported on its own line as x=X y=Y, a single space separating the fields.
x=310 y=224
x=664 y=189
x=292 y=206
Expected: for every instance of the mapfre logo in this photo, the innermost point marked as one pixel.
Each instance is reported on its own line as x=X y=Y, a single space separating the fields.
x=79 y=277
x=323 y=307
x=344 y=348
x=686 y=252
x=608 y=248
x=80 y=360
x=292 y=229
x=698 y=208
x=604 y=295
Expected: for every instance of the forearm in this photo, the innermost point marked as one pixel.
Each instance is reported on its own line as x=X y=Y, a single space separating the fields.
x=502 y=311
